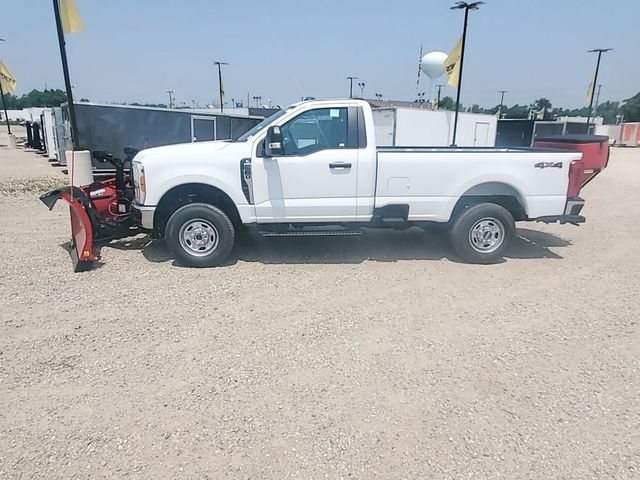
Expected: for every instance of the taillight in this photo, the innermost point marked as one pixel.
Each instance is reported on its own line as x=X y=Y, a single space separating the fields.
x=576 y=174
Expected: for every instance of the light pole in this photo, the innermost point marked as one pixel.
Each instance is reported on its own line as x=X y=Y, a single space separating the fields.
x=67 y=79
x=466 y=7
x=501 y=92
x=361 y=85
x=221 y=91
x=170 y=92
x=438 y=100
x=4 y=107
x=257 y=99
x=600 y=51
x=595 y=107
x=351 y=79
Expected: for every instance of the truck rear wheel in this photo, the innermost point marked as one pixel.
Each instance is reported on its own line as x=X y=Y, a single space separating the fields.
x=482 y=233
x=200 y=235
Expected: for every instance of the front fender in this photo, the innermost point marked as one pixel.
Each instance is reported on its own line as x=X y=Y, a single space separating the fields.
x=233 y=192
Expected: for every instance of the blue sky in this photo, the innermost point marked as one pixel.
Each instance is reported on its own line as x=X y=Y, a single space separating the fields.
x=134 y=50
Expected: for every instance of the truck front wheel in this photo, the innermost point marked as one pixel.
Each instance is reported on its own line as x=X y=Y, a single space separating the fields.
x=482 y=233
x=200 y=235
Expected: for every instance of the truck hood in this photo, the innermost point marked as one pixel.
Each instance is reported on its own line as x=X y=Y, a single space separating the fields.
x=211 y=163
x=180 y=151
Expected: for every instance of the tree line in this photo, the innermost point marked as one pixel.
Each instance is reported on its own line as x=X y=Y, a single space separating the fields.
x=543 y=109
x=609 y=110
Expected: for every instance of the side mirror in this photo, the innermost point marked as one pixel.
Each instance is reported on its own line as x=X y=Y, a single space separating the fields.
x=273 y=142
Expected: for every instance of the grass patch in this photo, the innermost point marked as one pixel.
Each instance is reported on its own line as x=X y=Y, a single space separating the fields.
x=30 y=186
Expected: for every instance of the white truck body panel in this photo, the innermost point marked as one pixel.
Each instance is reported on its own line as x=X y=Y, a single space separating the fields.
x=431 y=181
x=307 y=189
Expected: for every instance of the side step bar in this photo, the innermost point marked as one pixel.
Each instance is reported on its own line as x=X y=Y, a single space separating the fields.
x=311 y=233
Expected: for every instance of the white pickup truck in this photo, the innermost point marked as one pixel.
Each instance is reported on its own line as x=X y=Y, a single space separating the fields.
x=314 y=169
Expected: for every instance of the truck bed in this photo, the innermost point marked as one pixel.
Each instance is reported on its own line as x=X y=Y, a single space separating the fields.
x=432 y=179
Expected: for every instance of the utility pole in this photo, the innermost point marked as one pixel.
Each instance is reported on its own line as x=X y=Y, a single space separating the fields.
x=501 y=92
x=351 y=79
x=599 y=51
x=4 y=107
x=438 y=98
x=221 y=89
x=170 y=92
x=595 y=108
x=67 y=81
x=466 y=7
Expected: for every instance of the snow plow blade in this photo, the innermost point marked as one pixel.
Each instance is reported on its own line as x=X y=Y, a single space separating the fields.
x=83 y=253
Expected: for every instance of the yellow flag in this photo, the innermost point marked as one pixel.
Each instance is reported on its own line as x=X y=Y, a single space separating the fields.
x=452 y=65
x=71 y=21
x=7 y=79
x=590 y=89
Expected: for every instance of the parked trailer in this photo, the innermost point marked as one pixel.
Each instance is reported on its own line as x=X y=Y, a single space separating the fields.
x=48 y=133
x=410 y=127
x=629 y=134
x=112 y=127
x=516 y=132
x=611 y=131
x=61 y=134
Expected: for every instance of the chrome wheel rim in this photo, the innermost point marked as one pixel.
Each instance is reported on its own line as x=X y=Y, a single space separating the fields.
x=486 y=235
x=198 y=237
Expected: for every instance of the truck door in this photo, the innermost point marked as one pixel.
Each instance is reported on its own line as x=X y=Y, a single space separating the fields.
x=315 y=179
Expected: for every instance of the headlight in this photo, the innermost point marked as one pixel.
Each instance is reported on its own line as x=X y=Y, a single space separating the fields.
x=140 y=189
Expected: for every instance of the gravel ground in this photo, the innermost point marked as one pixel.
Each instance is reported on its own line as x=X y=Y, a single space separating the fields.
x=372 y=357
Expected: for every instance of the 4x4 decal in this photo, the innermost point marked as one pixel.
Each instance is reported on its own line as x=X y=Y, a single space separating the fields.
x=548 y=165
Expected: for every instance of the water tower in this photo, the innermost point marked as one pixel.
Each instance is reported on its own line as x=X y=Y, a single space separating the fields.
x=432 y=64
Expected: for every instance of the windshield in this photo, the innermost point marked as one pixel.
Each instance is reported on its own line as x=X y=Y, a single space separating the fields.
x=246 y=136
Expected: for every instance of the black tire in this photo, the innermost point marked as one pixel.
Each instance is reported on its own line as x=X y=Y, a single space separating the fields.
x=200 y=235
x=482 y=233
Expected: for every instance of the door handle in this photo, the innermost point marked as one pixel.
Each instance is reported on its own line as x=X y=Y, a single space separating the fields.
x=339 y=165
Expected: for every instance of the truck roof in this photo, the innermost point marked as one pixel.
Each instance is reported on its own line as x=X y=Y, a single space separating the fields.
x=355 y=101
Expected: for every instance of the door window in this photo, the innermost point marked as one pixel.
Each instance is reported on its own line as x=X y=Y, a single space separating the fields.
x=314 y=130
